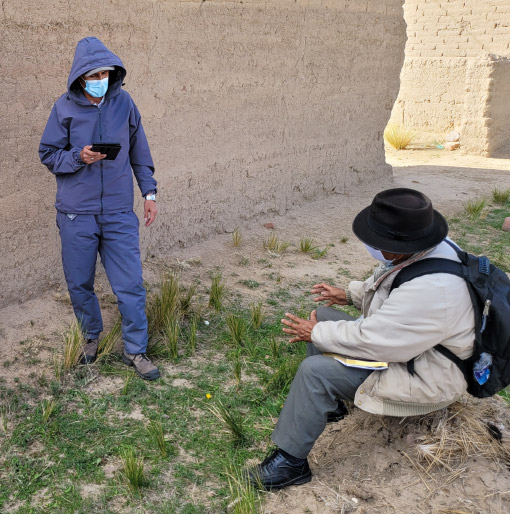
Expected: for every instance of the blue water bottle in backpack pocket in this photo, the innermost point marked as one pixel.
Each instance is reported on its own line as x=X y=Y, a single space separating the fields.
x=482 y=368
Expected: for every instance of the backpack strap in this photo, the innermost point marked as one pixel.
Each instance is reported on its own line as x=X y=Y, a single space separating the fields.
x=427 y=267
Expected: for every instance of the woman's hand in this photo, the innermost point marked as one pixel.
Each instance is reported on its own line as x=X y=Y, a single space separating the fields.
x=89 y=157
x=333 y=295
x=299 y=327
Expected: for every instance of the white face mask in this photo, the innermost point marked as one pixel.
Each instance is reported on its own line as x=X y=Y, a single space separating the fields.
x=377 y=254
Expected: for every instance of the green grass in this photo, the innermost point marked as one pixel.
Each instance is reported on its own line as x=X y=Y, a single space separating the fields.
x=185 y=438
x=137 y=439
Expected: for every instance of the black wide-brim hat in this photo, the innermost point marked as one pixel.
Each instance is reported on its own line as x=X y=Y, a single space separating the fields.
x=400 y=220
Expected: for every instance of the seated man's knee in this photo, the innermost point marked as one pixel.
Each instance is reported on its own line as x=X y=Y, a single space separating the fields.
x=311 y=366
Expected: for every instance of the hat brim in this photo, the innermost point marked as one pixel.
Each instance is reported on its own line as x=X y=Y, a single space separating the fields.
x=368 y=236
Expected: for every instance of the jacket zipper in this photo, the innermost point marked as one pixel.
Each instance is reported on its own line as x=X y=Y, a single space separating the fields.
x=101 y=162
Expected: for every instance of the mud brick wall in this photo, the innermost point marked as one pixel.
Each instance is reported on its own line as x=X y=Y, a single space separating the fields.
x=448 y=42
x=249 y=107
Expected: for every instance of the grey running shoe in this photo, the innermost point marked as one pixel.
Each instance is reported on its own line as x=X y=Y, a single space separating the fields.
x=142 y=364
x=89 y=354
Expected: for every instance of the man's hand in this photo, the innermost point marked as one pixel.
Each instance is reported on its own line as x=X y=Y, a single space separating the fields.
x=299 y=327
x=333 y=295
x=150 y=211
x=88 y=156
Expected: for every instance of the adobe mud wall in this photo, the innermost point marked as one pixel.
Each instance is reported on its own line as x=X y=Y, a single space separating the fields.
x=249 y=108
x=450 y=49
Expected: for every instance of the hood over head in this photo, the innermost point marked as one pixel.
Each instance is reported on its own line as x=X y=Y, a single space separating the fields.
x=91 y=53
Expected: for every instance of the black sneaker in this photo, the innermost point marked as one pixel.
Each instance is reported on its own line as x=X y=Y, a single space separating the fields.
x=89 y=351
x=277 y=472
x=339 y=413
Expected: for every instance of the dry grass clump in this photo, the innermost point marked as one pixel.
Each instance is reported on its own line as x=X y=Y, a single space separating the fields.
x=398 y=137
x=461 y=431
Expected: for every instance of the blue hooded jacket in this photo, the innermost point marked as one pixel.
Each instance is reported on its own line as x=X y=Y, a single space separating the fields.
x=105 y=186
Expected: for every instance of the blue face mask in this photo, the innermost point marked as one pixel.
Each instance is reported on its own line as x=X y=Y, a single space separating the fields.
x=96 y=88
x=376 y=254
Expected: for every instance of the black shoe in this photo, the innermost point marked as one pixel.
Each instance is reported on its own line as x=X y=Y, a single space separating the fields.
x=277 y=472
x=339 y=413
x=89 y=351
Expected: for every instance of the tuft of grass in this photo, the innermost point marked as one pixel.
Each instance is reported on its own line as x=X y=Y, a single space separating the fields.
x=274 y=347
x=107 y=343
x=192 y=335
x=474 y=208
x=273 y=244
x=257 y=315
x=233 y=421
x=217 y=293
x=250 y=284
x=500 y=196
x=284 y=374
x=186 y=294
x=157 y=434
x=243 y=497
x=319 y=254
x=344 y=239
x=133 y=469
x=163 y=306
x=398 y=136
x=237 y=367
x=307 y=245
x=47 y=409
x=236 y=327
x=236 y=238
x=171 y=338
x=73 y=346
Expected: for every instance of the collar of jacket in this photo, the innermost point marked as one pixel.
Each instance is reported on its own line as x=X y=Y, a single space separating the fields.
x=415 y=257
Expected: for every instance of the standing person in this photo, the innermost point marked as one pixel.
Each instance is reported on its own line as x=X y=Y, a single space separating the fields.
x=95 y=196
x=386 y=361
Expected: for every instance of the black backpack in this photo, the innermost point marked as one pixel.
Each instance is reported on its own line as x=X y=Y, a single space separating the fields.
x=489 y=288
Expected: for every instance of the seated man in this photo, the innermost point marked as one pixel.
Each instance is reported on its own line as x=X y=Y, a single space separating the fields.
x=365 y=360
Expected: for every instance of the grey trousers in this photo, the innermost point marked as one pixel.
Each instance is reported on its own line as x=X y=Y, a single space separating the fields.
x=318 y=385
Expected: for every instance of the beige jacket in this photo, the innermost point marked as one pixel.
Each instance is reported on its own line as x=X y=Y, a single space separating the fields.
x=429 y=310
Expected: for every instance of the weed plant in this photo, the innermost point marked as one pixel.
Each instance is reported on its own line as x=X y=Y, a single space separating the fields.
x=73 y=346
x=474 y=208
x=284 y=374
x=398 y=136
x=108 y=342
x=163 y=306
x=233 y=421
x=133 y=469
x=344 y=239
x=243 y=498
x=500 y=197
x=257 y=315
x=217 y=293
x=236 y=238
x=156 y=432
x=237 y=328
x=307 y=245
x=185 y=299
x=237 y=367
x=274 y=245
x=319 y=254
x=192 y=335
x=171 y=338
x=47 y=409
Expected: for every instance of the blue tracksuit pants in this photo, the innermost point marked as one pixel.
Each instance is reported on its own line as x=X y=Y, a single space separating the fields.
x=115 y=237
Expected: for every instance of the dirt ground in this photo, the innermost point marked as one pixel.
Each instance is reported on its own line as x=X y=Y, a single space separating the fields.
x=367 y=471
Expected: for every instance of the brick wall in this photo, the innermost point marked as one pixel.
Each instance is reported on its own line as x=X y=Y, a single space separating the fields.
x=445 y=38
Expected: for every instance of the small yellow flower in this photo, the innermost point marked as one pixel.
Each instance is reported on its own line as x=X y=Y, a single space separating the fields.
x=208 y=396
